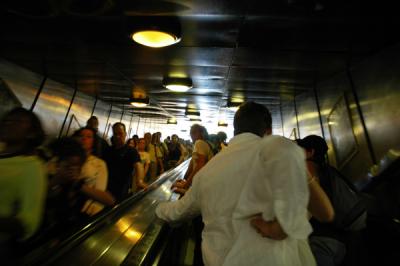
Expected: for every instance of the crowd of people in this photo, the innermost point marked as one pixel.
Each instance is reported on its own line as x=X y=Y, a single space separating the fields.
x=254 y=200
x=48 y=186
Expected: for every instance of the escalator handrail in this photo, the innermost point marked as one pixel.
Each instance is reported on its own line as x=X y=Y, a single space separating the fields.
x=43 y=256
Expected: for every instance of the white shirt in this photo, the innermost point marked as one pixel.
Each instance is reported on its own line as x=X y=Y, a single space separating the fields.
x=253 y=175
x=95 y=173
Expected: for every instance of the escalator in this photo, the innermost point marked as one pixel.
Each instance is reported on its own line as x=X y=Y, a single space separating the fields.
x=128 y=234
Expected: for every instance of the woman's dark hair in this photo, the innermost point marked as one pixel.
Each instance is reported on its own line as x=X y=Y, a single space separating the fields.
x=316 y=143
x=252 y=118
x=135 y=142
x=67 y=147
x=95 y=146
x=35 y=135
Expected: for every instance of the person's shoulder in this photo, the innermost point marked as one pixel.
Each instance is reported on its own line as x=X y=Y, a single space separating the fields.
x=199 y=142
x=279 y=144
x=30 y=161
x=131 y=150
x=96 y=160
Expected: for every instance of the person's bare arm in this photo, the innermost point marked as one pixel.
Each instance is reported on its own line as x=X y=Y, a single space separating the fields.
x=319 y=205
x=201 y=160
x=270 y=229
x=189 y=170
x=183 y=154
x=146 y=168
x=139 y=175
x=103 y=197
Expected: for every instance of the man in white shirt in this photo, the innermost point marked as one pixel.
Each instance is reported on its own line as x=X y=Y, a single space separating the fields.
x=253 y=198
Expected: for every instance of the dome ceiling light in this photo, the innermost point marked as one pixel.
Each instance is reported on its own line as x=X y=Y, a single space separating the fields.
x=192 y=114
x=156 y=31
x=222 y=124
x=139 y=102
x=178 y=84
x=233 y=105
x=172 y=121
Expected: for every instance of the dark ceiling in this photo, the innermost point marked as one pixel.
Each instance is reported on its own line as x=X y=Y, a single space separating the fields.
x=259 y=50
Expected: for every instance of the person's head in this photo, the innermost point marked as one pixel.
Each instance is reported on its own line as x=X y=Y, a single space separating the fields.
x=252 y=118
x=147 y=137
x=213 y=138
x=136 y=138
x=69 y=157
x=222 y=136
x=20 y=127
x=93 y=123
x=174 y=139
x=315 y=147
x=154 y=138
x=141 y=144
x=86 y=137
x=131 y=143
x=119 y=134
x=198 y=132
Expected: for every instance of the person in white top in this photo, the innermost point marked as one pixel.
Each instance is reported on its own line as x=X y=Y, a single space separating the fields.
x=255 y=178
x=94 y=171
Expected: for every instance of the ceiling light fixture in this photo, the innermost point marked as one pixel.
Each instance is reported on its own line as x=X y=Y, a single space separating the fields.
x=233 y=105
x=192 y=114
x=172 y=121
x=222 y=124
x=157 y=31
x=139 y=102
x=178 y=84
x=195 y=119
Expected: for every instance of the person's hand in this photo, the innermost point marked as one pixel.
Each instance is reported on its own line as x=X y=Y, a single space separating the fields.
x=141 y=185
x=270 y=229
x=180 y=186
x=260 y=225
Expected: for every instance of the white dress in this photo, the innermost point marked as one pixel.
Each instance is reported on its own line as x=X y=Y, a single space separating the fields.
x=252 y=176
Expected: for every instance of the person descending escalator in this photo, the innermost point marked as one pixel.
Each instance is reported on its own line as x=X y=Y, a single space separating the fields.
x=122 y=163
x=23 y=182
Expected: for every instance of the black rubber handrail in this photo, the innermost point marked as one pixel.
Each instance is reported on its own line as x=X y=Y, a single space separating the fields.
x=46 y=255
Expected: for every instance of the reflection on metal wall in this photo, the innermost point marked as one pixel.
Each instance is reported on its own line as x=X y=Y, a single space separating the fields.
x=289 y=118
x=80 y=112
x=329 y=92
x=22 y=82
x=114 y=117
x=52 y=106
x=101 y=111
x=307 y=114
x=54 y=100
x=377 y=83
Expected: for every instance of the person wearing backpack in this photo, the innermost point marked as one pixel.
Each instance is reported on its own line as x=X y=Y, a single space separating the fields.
x=328 y=240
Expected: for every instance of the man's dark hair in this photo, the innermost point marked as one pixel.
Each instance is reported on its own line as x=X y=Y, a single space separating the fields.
x=252 y=118
x=118 y=124
x=318 y=144
x=92 y=118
